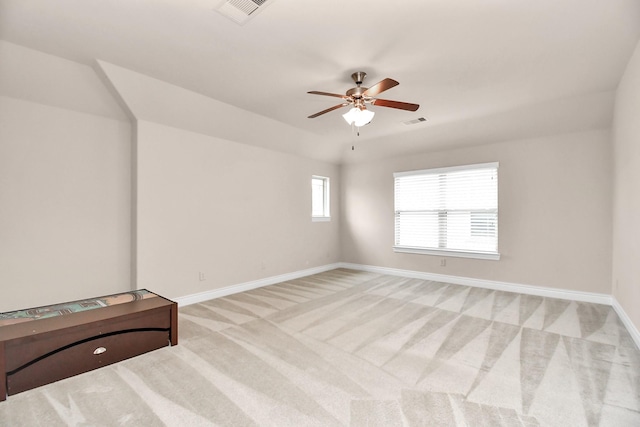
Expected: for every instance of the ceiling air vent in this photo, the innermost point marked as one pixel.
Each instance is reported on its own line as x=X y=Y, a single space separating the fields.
x=240 y=11
x=416 y=121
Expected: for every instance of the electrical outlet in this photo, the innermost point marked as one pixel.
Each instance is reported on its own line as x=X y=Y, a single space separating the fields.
x=443 y=262
x=201 y=276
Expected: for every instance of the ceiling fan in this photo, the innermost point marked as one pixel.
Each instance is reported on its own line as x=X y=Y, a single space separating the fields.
x=359 y=96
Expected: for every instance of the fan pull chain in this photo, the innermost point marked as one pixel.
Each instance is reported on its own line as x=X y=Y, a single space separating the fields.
x=355 y=129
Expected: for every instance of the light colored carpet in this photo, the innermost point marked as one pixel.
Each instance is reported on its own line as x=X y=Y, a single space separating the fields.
x=348 y=348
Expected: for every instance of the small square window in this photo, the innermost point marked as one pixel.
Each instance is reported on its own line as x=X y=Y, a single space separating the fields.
x=320 y=198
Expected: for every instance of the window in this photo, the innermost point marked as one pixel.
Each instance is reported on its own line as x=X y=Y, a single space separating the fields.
x=320 y=198
x=448 y=211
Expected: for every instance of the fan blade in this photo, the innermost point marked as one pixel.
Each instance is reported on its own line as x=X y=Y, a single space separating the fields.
x=380 y=87
x=335 y=107
x=395 y=104
x=315 y=92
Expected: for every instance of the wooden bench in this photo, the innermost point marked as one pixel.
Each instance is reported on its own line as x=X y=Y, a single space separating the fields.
x=35 y=351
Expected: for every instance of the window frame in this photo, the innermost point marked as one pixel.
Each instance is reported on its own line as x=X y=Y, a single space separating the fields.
x=450 y=252
x=326 y=199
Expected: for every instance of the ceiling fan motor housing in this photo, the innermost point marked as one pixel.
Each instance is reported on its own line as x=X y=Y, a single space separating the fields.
x=356 y=92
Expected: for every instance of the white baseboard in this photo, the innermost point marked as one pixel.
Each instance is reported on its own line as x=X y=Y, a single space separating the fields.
x=241 y=287
x=489 y=284
x=633 y=331
x=458 y=280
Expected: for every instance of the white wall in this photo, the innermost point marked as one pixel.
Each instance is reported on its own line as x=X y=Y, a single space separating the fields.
x=65 y=199
x=64 y=205
x=238 y=212
x=38 y=77
x=235 y=212
x=157 y=101
x=554 y=212
x=232 y=211
x=626 y=201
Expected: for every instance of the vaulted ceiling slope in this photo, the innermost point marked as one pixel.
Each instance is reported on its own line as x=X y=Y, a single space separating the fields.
x=481 y=71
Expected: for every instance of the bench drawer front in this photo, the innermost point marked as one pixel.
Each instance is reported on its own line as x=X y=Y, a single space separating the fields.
x=85 y=356
x=28 y=349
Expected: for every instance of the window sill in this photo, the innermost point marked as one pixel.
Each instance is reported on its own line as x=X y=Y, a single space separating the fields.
x=495 y=256
x=320 y=218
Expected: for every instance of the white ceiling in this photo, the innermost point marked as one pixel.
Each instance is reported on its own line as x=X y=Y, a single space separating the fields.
x=482 y=71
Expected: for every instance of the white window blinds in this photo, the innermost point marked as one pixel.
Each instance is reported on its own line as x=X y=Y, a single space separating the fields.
x=452 y=210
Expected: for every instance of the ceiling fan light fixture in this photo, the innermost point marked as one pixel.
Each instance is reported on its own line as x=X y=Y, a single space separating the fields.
x=358 y=117
x=358 y=96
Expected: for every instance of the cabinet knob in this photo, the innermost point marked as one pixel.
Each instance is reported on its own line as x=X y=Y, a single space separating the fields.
x=99 y=350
